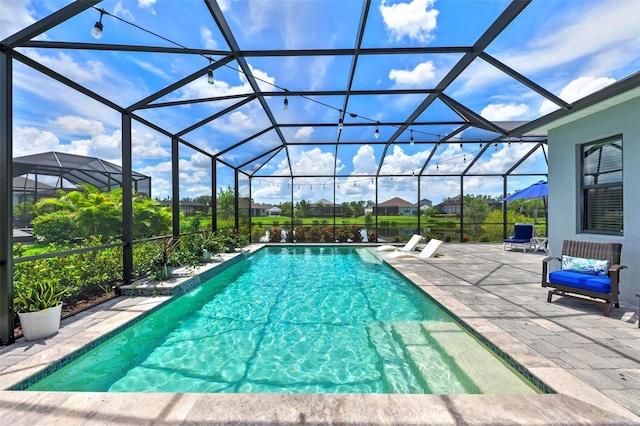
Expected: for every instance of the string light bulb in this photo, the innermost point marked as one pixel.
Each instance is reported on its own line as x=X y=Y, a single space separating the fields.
x=96 y=31
x=340 y=124
x=411 y=140
x=286 y=103
x=210 y=74
x=496 y=147
x=376 y=134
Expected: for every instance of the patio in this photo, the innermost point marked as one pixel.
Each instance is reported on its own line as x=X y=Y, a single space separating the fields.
x=591 y=361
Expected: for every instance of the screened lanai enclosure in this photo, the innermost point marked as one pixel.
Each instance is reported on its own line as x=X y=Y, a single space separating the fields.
x=315 y=121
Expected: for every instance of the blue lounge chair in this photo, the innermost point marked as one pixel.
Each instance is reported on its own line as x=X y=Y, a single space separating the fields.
x=522 y=235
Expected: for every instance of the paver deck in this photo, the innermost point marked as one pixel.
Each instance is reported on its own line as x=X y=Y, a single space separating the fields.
x=591 y=361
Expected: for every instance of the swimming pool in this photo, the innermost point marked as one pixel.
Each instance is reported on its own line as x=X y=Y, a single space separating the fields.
x=299 y=320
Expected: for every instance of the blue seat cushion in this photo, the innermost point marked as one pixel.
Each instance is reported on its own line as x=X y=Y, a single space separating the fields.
x=517 y=240
x=581 y=280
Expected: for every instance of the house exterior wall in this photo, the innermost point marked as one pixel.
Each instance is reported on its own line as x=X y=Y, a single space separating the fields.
x=564 y=185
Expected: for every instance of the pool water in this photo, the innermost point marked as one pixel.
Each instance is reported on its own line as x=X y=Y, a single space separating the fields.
x=296 y=320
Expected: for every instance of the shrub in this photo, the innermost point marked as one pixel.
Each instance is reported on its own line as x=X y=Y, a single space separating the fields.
x=492 y=226
x=56 y=227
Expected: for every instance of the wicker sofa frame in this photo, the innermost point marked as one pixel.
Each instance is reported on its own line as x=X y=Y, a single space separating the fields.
x=588 y=250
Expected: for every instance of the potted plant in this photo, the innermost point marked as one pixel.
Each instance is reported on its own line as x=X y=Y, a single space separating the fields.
x=39 y=307
x=163 y=261
x=229 y=240
x=210 y=245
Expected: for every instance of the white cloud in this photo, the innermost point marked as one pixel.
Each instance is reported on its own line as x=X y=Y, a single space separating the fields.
x=123 y=12
x=64 y=64
x=318 y=71
x=29 y=140
x=422 y=74
x=504 y=112
x=199 y=88
x=15 y=16
x=234 y=123
x=504 y=158
x=152 y=68
x=415 y=20
x=79 y=125
x=400 y=163
x=207 y=38
x=303 y=134
x=598 y=39
x=224 y=4
x=364 y=162
x=313 y=162
x=147 y=4
x=577 y=89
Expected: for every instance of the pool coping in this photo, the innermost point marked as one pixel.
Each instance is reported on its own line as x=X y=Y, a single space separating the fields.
x=571 y=392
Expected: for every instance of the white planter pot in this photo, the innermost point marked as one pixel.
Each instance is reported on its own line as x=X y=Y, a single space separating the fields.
x=206 y=256
x=40 y=324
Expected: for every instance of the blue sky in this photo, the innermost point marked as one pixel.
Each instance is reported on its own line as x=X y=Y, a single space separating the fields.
x=571 y=48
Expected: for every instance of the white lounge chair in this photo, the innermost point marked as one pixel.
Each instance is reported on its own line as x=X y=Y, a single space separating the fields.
x=427 y=252
x=410 y=246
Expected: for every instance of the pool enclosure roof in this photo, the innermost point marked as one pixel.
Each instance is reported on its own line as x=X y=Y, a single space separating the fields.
x=78 y=170
x=330 y=88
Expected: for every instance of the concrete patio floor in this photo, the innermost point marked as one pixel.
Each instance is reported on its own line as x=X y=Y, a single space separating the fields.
x=591 y=361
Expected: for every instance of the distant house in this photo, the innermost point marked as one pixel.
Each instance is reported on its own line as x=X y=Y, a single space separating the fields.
x=324 y=207
x=256 y=209
x=451 y=205
x=274 y=211
x=188 y=208
x=396 y=207
x=425 y=204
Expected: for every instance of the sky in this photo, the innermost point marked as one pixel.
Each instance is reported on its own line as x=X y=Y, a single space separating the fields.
x=571 y=48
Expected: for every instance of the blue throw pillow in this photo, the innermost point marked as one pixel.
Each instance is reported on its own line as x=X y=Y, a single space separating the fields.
x=585 y=266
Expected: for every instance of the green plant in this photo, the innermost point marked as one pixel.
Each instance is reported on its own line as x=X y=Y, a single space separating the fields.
x=211 y=242
x=56 y=227
x=38 y=295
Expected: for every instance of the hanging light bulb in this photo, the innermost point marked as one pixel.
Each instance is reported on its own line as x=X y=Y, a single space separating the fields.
x=354 y=183
x=286 y=103
x=413 y=173
x=460 y=144
x=210 y=73
x=464 y=159
x=480 y=145
x=376 y=134
x=496 y=148
x=411 y=141
x=96 y=31
x=340 y=123
x=437 y=166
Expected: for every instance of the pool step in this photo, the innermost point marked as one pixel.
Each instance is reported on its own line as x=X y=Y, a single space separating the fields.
x=434 y=368
x=396 y=372
x=482 y=367
x=366 y=255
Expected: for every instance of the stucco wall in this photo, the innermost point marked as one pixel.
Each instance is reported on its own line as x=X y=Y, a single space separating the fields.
x=622 y=119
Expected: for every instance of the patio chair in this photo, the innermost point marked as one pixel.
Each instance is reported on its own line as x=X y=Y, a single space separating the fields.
x=410 y=246
x=522 y=235
x=589 y=270
x=427 y=252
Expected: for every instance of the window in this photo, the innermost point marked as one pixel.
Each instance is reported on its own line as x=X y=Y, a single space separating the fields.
x=602 y=210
